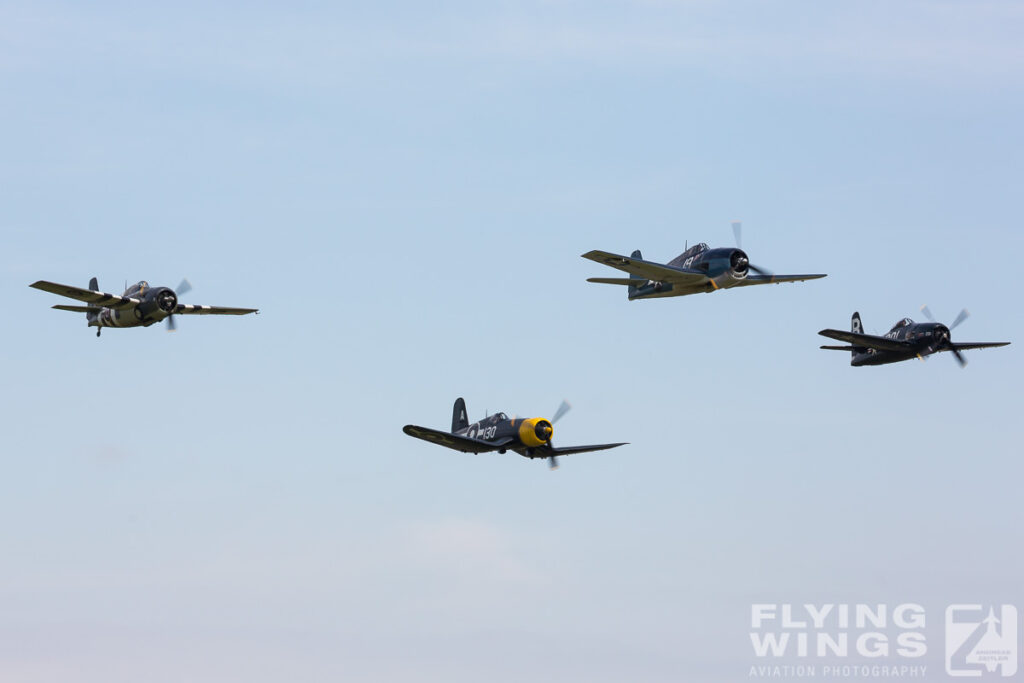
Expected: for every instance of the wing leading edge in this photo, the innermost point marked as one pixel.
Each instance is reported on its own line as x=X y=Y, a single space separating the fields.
x=89 y=296
x=569 y=450
x=776 y=279
x=195 y=309
x=455 y=442
x=866 y=340
x=979 y=345
x=658 y=272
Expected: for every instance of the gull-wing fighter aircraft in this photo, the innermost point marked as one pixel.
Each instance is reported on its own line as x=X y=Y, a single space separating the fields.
x=529 y=437
x=139 y=306
x=904 y=341
x=698 y=269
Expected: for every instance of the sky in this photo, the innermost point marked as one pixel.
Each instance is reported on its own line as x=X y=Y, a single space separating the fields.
x=404 y=190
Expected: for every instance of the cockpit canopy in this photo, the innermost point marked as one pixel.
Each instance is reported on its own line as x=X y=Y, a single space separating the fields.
x=139 y=287
x=903 y=323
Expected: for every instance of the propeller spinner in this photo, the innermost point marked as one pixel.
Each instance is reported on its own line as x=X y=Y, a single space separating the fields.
x=183 y=288
x=945 y=338
x=737 y=231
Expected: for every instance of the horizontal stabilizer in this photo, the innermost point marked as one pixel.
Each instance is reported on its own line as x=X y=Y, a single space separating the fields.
x=839 y=348
x=77 y=309
x=628 y=281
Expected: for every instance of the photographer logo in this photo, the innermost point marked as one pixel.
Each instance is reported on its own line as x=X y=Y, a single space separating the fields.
x=981 y=640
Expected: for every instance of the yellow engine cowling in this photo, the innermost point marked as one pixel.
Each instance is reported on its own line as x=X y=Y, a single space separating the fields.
x=535 y=431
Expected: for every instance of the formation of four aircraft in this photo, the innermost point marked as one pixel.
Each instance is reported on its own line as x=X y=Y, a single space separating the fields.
x=698 y=269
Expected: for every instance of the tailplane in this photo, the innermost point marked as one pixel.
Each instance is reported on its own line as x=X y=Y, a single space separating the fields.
x=459 y=417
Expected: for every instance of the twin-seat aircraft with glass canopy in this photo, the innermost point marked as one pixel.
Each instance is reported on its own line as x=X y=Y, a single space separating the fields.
x=140 y=306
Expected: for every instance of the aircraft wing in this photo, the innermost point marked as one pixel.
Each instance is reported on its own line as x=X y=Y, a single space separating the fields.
x=78 y=309
x=646 y=269
x=979 y=345
x=195 y=309
x=775 y=279
x=569 y=450
x=628 y=281
x=455 y=442
x=869 y=340
x=87 y=295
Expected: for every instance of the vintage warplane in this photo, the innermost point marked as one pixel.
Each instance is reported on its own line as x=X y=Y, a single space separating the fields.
x=529 y=437
x=139 y=306
x=904 y=341
x=698 y=269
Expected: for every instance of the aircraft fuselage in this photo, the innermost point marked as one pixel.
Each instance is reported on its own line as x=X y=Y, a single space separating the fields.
x=725 y=267
x=527 y=433
x=925 y=339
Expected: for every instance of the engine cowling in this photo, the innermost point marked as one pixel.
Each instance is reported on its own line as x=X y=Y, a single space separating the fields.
x=535 y=432
x=158 y=304
x=739 y=263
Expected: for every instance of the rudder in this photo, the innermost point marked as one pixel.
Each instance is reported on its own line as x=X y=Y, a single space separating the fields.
x=639 y=280
x=856 y=326
x=91 y=316
x=459 y=418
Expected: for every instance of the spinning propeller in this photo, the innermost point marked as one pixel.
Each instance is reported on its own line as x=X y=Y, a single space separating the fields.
x=559 y=414
x=184 y=288
x=741 y=262
x=945 y=341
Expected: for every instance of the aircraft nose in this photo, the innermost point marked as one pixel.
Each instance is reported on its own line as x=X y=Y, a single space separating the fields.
x=740 y=262
x=543 y=430
x=167 y=301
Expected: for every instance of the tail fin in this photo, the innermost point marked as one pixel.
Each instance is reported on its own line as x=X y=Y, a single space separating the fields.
x=639 y=280
x=856 y=326
x=459 y=418
x=92 y=315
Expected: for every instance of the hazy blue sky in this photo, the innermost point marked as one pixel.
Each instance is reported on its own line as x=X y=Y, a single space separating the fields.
x=404 y=190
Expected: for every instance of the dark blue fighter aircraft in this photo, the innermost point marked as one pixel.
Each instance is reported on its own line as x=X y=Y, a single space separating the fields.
x=904 y=341
x=529 y=437
x=698 y=269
